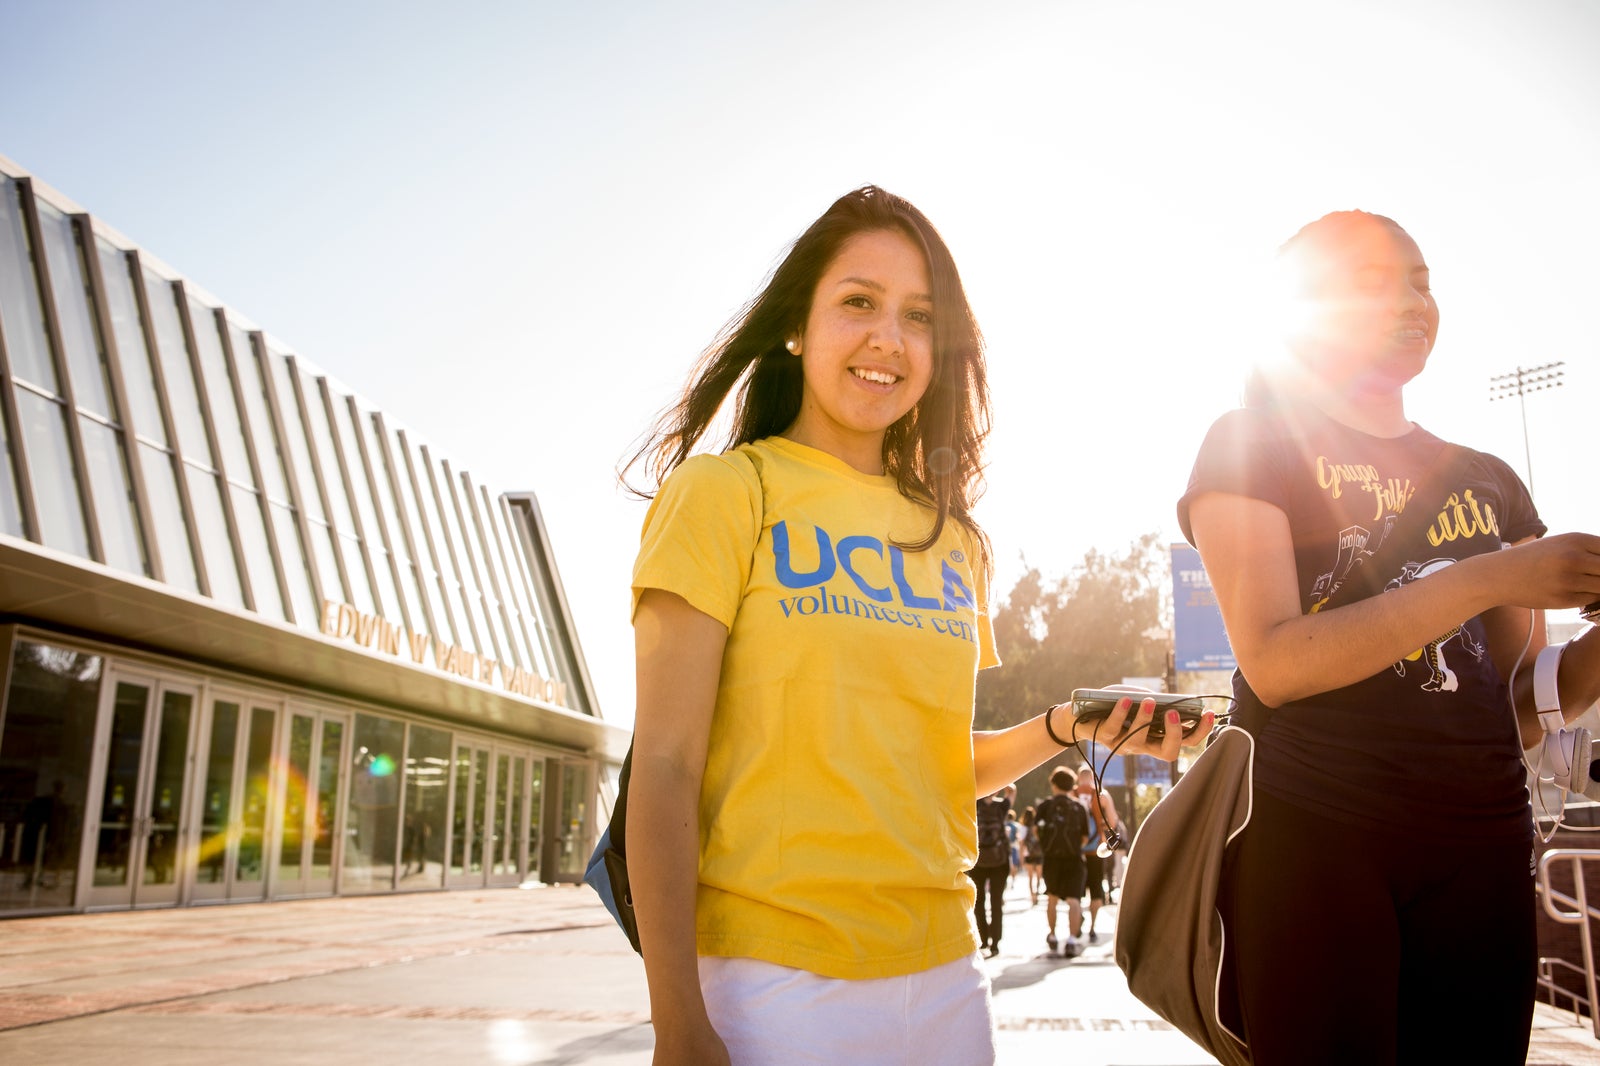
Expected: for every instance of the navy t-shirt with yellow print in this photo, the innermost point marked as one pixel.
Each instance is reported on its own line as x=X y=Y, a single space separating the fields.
x=1431 y=740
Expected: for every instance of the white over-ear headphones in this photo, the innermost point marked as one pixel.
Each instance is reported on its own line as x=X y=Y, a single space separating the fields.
x=1567 y=752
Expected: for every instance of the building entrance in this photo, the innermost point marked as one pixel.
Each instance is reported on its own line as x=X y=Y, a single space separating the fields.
x=143 y=752
x=308 y=785
x=491 y=811
x=125 y=784
x=510 y=816
x=235 y=798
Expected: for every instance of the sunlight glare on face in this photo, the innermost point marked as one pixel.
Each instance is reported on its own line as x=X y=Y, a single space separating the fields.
x=1293 y=310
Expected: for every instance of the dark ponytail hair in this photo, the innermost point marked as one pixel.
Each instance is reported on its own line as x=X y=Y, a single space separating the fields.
x=934 y=452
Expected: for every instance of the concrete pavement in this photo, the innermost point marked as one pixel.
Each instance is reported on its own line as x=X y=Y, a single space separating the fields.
x=535 y=977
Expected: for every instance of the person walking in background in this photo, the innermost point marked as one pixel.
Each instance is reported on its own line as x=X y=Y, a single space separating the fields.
x=1032 y=855
x=1385 y=715
x=1014 y=840
x=1102 y=813
x=810 y=611
x=990 y=875
x=1063 y=827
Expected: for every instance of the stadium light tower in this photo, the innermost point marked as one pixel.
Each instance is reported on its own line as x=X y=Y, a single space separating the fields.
x=1519 y=383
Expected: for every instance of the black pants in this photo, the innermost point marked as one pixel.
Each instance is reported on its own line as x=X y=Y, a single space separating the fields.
x=1355 y=946
x=991 y=882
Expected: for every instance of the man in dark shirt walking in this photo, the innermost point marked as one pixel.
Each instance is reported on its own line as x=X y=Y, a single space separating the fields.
x=1063 y=826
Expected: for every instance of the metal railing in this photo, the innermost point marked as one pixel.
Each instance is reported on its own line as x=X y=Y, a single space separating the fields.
x=1570 y=910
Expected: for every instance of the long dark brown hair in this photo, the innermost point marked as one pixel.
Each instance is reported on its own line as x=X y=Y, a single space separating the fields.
x=934 y=452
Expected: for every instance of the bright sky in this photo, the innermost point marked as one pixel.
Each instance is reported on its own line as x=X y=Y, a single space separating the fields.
x=512 y=226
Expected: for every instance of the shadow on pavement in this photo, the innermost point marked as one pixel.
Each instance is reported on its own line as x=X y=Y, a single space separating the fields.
x=1031 y=972
x=601 y=1046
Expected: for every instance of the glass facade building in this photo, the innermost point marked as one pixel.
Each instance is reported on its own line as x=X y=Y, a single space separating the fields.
x=257 y=640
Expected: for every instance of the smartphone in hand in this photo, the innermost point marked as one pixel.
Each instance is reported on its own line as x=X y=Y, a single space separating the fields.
x=1091 y=705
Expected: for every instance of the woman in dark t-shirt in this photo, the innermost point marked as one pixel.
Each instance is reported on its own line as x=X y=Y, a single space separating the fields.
x=1383 y=882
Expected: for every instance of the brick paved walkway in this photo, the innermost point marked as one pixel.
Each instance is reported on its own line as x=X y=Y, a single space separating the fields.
x=519 y=978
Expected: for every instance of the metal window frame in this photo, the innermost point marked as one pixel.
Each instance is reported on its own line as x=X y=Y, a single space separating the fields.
x=496 y=639
x=536 y=607
x=537 y=540
x=58 y=358
x=499 y=520
x=291 y=477
x=296 y=383
x=449 y=542
x=84 y=227
x=269 y=389
x=413 y=557
x=325 y=390
x=230 y=361
x=58 y=306
x=8 y=644
x=243 y=353
x=489 y=547
x=173 y=447
x=192 y=335
x=406 y=453
x=218 y=462
x=369 y=469
x=20 y=470
x=22 y=479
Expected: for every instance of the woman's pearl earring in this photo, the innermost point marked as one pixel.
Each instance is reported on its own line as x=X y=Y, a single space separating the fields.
x=793 y=344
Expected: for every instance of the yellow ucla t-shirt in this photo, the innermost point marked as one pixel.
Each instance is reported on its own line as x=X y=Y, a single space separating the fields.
x=837 y=814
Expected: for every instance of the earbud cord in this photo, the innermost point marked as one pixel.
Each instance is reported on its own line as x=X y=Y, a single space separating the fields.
x=1557 y=820
x=1115 y=836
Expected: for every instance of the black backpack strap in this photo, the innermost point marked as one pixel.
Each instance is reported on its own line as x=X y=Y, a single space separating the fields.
x=619 y=810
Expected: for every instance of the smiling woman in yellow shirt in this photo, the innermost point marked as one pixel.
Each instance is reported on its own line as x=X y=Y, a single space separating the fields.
x=810 y=611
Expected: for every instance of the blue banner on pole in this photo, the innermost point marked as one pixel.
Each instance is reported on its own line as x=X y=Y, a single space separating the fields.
x=1118 y=770
x=1109 y=766
x=1199 y=639
x=1148 y=770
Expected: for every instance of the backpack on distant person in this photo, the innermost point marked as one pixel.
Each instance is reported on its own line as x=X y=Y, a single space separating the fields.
x=1062 y=823
x=994 y=846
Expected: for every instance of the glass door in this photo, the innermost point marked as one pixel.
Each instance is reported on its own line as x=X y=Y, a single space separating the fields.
x=429 y=770
x=507 y=835
x=535 y=819
x=311 y=776
x=469 y=796
x=489 y=810
x=572 y=827
x=139 y=830
x=235 y=783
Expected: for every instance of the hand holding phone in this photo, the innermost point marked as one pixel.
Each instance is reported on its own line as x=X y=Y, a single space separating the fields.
x=1092 y=705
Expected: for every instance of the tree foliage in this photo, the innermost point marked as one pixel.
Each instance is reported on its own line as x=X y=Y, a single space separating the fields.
x=1107 y=619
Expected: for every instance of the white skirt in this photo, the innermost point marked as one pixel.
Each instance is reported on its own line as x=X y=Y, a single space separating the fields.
x=770 y=1015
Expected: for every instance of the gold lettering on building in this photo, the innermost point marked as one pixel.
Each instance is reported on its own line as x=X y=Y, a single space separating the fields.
x=344 y=622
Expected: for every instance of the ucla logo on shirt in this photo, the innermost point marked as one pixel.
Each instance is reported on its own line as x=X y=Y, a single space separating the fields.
x=852 y=555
